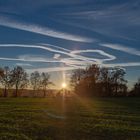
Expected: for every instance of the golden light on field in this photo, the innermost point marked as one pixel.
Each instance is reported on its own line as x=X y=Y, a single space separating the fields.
x=64 y=85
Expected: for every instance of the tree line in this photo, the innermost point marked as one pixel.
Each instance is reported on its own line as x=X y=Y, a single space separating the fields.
x=91 y=81
x=102 y=81
x=17 y=78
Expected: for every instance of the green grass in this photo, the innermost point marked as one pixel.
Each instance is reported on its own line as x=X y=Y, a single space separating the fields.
x=70 y=119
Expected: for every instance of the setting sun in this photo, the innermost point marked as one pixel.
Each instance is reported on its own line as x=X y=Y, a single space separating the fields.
x=64 y=85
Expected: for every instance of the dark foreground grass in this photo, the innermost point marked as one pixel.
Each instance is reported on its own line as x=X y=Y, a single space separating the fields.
x=70 y=118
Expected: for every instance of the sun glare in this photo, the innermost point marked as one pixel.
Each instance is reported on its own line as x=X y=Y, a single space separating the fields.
x=64 y=85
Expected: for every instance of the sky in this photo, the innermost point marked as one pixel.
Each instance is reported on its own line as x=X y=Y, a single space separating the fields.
x=58 y=36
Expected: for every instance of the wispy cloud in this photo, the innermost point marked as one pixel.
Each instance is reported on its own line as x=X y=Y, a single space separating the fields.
x=4 y=21
x=126 y=64
x=36 y=58
x=110 y=57
x=23 y=64
x=111 y=20
x=56 y=56
x=120 y=13
x=122 y=48
x=52 y=69
x=55 y=47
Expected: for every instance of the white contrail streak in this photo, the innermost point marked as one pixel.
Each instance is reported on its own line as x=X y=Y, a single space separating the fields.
x=74 y=59
x=110 y=57
x=127 y=64
x=27 y=60
x=52 y=69
x=122 y=48
x=42 y=30
x=73 y=55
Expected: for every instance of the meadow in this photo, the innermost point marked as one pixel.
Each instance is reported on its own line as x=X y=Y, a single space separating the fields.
x=72 y=118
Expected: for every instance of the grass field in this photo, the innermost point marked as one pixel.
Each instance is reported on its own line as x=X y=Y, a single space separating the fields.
x=70 y=119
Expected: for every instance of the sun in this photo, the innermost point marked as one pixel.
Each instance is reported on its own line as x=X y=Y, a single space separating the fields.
x=64 y=85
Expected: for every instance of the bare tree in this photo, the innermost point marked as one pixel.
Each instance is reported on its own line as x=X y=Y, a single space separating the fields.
x=112 y=81
x=136 y=89
x=5 y=79
x=118 y=80
x=92 y=77
x=35 y=80
x=76 y=77
x=19 y=79
x=45 y=82
x=105 y=81
x=93 y=72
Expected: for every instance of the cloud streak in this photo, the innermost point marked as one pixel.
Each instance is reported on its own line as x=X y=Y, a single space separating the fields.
x=52 y=69
x=42 y=30
x=110 y=57
x=122 y=48
x=24 y=64
x=127 y=64
x=111 y=20
x=36 y=58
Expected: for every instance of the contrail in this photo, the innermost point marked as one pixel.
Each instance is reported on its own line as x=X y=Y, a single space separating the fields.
x=72 y=54
x=122 y=48
x=4 y=21
x=74 y=60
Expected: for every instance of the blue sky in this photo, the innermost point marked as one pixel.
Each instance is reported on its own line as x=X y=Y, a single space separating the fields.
x=58 y=36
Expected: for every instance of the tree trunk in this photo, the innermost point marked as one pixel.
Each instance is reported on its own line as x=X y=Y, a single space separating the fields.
x=5 y=92
x=45 y=92
x=16 y=92
x=116 y=90
x=34 y=92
